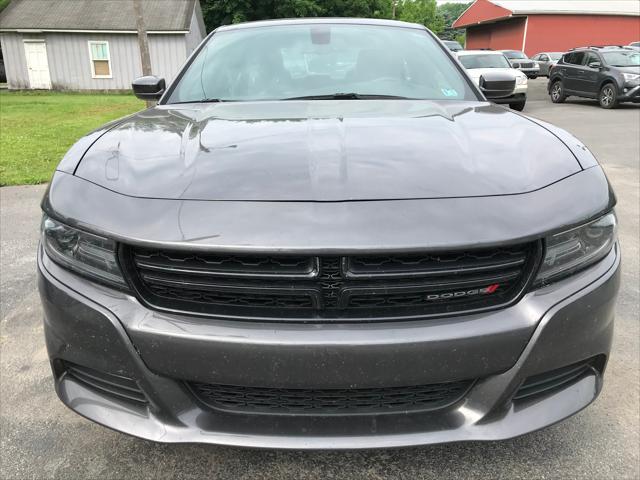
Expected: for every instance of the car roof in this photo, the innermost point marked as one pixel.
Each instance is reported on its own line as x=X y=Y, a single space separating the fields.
x=479 y=52
x=602 y=48
x=320 y=21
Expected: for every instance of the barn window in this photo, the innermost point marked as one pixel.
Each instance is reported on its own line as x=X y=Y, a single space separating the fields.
x=100 y=59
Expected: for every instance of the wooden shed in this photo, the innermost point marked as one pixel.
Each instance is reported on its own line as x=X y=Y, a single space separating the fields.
x=92 y=44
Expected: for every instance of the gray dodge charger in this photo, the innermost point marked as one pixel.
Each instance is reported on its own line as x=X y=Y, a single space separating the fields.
x=324 y=235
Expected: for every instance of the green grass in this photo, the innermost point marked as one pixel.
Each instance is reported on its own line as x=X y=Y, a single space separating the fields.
x=36 y=129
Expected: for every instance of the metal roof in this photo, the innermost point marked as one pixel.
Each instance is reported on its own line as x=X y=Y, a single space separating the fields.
x=579 y=7
x=96 y=15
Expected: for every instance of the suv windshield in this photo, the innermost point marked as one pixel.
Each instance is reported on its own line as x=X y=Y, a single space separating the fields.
x=485 y=60
x=626 y=58
x=315 y=60
x=514 y=54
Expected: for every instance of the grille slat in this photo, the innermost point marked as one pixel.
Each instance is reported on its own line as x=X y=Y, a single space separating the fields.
x=550 y=381
x=261 y=400
x=114 y=385
x=330 y=287
x=226 y=265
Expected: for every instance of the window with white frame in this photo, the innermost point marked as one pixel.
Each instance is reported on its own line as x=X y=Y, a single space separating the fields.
x=100 y=59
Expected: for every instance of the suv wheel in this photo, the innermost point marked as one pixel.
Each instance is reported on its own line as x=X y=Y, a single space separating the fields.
x=557 y=92
x=608 y=97
x=519 y=106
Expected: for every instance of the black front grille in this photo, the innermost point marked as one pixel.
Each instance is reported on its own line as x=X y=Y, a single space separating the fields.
x=505 y=85
x=526 y=64
x=260 y=400
x=330 y=287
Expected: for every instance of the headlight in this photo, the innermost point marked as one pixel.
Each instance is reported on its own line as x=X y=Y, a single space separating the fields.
x=82 y=252
x=578 y=248
x=521 y=80
x=631 y=77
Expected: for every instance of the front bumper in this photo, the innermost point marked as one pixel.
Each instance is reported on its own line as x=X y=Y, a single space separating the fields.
x=630 y=94
x=517 y=97
x=109 y=331
x=531 y=71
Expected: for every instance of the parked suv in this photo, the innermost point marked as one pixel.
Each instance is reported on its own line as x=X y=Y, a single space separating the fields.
x=609 y=74
x=480 y=62
x=325 y=236
x=523 y=63
x=453 y=45
x=546 y=60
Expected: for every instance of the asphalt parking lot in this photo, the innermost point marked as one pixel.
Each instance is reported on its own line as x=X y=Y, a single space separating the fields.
x=40 y=438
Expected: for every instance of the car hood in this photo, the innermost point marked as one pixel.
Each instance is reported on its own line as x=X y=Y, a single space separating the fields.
x=326 y=151
x=632 y=69
x=476 y=73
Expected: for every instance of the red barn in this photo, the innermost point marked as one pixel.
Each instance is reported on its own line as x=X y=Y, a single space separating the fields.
x=549 y=25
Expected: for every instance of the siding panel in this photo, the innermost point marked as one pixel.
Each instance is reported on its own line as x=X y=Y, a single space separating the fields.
x=15 y=61
x=197 y=30
x=168 y=53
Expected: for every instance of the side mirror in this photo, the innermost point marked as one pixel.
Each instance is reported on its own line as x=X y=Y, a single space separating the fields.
x=497 y=84
x=149 y=87
x=595 y=65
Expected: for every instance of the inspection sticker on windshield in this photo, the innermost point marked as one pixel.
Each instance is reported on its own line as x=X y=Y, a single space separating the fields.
x=449 y=92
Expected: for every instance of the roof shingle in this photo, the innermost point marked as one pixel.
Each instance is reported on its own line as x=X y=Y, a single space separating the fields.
x=159 y=15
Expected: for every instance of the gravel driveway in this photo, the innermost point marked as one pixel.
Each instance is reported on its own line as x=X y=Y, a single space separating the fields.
x=40 y=438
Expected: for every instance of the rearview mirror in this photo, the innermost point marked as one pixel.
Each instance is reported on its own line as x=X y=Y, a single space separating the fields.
x=595 y=65
x=497 y=84
x=149 y=87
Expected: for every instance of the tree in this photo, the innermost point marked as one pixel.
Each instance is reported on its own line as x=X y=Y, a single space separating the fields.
x=450 y=13
x=421 y=11
x=143 y=42
x=224 y=12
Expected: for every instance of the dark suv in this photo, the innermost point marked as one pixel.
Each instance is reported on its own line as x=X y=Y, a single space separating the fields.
x=611 y=75
x=325 y=236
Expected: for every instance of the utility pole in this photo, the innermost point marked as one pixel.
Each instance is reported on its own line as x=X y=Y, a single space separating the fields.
x=394 y=5
x=143 y=42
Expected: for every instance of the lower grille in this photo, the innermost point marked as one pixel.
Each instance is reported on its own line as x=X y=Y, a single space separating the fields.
x=506 y=85
x=123 y=388
x=330 y=287
x=554 y=380
x=258 y=400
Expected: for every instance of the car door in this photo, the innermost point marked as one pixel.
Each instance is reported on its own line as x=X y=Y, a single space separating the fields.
x=545 y=62
x=588 y=78
x=572 y=71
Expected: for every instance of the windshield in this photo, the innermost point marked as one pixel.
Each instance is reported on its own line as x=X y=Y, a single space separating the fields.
x=514 y=54
x=484 y=60
x=289 y=61
x=622 y=58
x=555 y=56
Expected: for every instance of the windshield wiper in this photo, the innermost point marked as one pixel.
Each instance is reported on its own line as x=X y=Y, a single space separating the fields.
x=204 y=100
x=347 y=96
